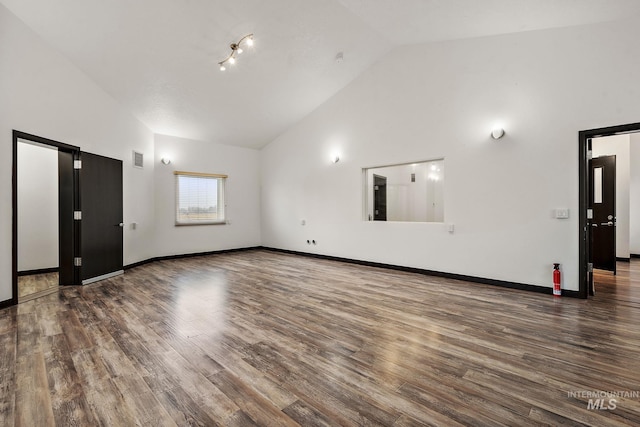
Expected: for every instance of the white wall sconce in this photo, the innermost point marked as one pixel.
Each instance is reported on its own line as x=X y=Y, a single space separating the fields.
x=497 y=133
x=165 y=160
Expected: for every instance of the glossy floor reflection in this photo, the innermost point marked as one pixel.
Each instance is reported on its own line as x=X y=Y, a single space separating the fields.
x=264 y=338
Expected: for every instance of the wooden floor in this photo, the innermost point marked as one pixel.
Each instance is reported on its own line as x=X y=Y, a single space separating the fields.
x=36 y=285
x=264 y=338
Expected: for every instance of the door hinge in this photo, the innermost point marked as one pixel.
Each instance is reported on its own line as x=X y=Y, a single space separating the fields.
x=77 y=261
x=589 y=154
x=77 y=164
x=590 y=267
x=77 y=215
x=589 y=213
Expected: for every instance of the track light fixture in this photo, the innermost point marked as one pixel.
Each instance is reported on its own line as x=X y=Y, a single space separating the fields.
x=236 y=49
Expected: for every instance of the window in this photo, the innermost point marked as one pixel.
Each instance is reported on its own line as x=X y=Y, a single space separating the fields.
x=412 y=192
x=199 y=198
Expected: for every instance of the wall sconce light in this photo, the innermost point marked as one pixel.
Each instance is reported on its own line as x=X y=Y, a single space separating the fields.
x=236 y=49
x=497 y=133
x=165 y=160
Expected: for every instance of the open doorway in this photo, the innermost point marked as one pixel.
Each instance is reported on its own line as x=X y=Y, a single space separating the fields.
x=38 y=243
x=609 y=201
x=44 y=231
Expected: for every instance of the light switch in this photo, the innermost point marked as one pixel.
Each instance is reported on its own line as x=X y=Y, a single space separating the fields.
x=562 y=213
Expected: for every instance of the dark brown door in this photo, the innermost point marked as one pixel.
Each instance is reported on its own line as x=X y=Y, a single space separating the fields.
x=602 y=199
x=101 y=224
x=379 y=198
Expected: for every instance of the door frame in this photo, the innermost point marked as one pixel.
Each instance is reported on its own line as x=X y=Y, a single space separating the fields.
x=584 y=231
x=68 y=235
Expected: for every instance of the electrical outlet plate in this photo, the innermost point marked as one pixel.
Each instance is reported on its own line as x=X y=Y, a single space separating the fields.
x=562 y=213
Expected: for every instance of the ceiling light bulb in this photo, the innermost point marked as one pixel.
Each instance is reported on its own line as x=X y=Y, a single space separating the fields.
x=250 y=41
x=232 y=60
x=222 y=67
x=239 y=50
x=497 y=133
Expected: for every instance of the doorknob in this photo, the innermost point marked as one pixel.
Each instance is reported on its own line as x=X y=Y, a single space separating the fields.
x=120 y=225
x=610 y=223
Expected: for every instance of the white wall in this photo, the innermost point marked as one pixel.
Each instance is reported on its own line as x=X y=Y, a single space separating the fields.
x=634 y=194
x=542 y=86
x=618 y=145
x=242 y=192
x=42 y=93
x=37 y=207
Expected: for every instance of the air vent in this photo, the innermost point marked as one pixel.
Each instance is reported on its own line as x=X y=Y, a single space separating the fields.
x=138 y=159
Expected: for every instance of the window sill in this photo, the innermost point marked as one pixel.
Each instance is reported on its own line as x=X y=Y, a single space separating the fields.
x=221 y=222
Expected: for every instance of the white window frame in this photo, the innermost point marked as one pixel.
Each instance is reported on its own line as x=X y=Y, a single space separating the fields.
x=221 y=203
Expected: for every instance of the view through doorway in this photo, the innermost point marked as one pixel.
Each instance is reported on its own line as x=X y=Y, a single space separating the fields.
x=38 y=231
x=622 y=289
x=609 y=205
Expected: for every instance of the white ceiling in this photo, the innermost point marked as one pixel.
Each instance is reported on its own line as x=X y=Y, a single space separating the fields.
x=158 y=58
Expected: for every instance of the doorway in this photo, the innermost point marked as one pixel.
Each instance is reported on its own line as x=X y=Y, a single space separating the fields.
x=592 y=223
x=44 y=237
x=38 y=245
x=379 y=198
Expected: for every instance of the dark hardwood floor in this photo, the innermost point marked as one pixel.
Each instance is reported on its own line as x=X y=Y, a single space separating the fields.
x=265 y=338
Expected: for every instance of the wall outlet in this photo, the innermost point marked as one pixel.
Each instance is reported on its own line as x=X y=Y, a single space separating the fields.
x=562 y=213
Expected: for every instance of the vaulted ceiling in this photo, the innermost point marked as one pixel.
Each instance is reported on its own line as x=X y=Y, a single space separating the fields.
x=158 y=58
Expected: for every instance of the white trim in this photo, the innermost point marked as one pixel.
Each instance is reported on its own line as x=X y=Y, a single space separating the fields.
x=104 y=276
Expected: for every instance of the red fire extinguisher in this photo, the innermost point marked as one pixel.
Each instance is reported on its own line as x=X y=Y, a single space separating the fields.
x=556 y=280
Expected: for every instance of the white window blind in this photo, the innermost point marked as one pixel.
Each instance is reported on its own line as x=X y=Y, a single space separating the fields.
x=199 y=198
